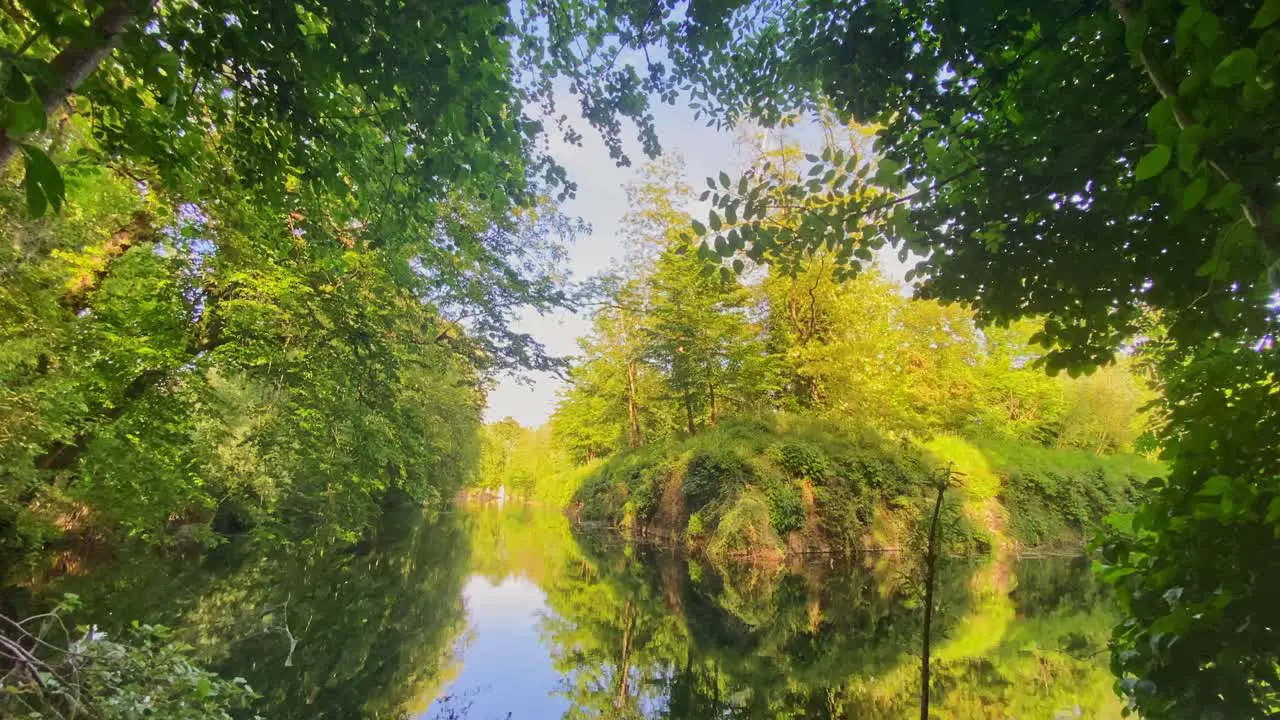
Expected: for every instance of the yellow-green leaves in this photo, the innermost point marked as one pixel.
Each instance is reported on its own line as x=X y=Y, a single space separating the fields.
x=1195 y=192
x=1236 y=68
x=21 y=111
x=1154 y=162
x=1267 y=15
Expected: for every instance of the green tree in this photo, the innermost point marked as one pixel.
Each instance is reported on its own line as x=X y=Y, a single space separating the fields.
x=1094 y=165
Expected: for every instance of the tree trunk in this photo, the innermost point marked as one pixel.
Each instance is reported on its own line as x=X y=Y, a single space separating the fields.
x=624 y=662
x=81 y=289
x=633 y=411
x=930 y=560
x=77 y=62
x=711 y=399
x=688 y=412
x=62 y=455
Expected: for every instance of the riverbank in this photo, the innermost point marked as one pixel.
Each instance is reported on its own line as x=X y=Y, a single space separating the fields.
x=764 y=489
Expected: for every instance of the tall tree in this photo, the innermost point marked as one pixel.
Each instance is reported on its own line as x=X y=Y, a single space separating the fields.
x=1092 y=163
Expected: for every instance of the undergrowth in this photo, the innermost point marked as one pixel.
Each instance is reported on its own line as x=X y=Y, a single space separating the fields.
x=740 y=489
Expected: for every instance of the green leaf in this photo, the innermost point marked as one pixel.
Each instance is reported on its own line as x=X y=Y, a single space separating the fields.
x=36 y=201
x=1227 y=196
x=1154 y=162
x=1185 y=28
x=699 y=228
x=24 y=118
x=887 y=171
x=724 y=179
x=1194 y=193
x=43 y=182
x=731 y=214
x=1216 y=485
x=1235 y=68
x=1161 y=115
x=738 y=266
x=1189 y=143
x=1267 y=15
x=715 y=221
x=16 y=87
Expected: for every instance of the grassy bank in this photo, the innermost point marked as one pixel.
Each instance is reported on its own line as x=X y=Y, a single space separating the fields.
x=767 y=487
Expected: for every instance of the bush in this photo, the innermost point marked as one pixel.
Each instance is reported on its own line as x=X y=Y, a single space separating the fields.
x=1047 y=506
x=786 y=506
x=144 y=673
x=712 y=475
x=803 y=460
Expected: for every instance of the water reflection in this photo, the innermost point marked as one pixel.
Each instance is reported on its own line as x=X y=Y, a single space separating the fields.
x=491 y=613
x=359 y=632
x=642 y=632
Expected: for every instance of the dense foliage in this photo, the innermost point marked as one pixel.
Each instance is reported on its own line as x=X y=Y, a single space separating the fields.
x=52 y=671
x=359 y=631
x=259 y=261
x=674 y=348
x=682 y=379
x=1108 y=165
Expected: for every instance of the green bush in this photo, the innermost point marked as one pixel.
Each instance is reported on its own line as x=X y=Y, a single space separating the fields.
x=711 y=475
x=803 y=460
x=786 y=506
x=1048 y=505
x=142 y=673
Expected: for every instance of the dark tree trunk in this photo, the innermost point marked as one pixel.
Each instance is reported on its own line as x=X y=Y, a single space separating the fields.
x=930 y=560
x=688 y=412
x=711 y=399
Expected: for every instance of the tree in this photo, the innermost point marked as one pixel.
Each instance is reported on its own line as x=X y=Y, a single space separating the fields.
x=287 y=250
x=1095 y=164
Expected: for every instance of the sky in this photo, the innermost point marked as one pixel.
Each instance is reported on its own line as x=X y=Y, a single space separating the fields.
x=602 y=201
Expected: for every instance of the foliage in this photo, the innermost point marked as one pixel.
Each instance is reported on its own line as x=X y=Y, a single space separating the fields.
x=852 y=351
x=1108 y=167
x=673 y=348
x=144 y=673
x=1193 y=567
x=750 y=466
x=367 y=630
x=746 y=529
x=286 y=248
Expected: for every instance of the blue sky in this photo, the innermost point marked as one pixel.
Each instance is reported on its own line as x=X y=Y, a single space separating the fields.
x=602 y=202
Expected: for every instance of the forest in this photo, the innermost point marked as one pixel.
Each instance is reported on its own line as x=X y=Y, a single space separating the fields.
x=765 y=402
x=260 y=264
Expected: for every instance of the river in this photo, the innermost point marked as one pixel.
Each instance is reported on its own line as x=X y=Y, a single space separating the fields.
x=489 y=613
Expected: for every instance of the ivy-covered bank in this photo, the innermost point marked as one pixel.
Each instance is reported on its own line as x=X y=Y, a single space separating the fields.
x=763 y=488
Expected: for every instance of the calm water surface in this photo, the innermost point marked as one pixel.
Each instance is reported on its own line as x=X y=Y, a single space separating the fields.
x=494 y=613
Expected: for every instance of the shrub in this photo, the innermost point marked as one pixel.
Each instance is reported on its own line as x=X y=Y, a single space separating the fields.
x=786 y=506
x=711 y=474
x=695 y=528
x=806 y=461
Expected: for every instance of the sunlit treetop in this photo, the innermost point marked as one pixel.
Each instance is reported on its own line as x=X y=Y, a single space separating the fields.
x=1086 y=161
